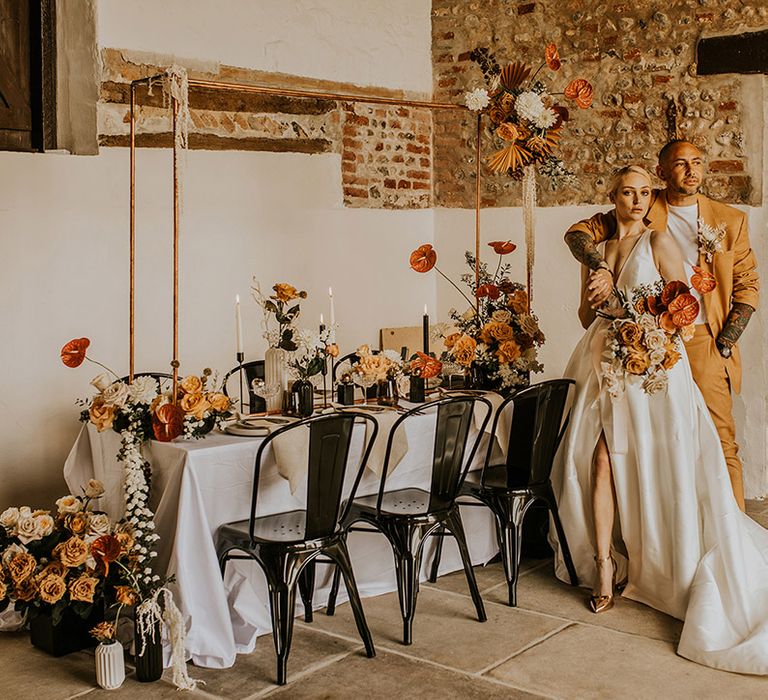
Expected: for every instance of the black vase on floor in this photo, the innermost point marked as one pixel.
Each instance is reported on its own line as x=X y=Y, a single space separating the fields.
x=148 y=655
x=71 y=634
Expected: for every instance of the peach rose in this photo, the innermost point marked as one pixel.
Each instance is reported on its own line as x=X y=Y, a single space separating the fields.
x=71 y=553
x=218 y=402
x=630 y=333
x=83 y=588
x=46 y=523
x=332 y=350
x=285 y=292
x=26 y=590
x=126 y=541
x=464 y=350
x=126 y=595
x=195 y=405
x=78 y=522
x=191 y=385
x=637 y=362
x=69 y=504
x=52 y=589
x=494 y=330
x=28 y=529
x=104 y=632
x=54 y=568
x=21 y=566
x=508 y=351
x=94 y=488
x=9 y=518
x=102 y=414
x=450 y=341
x=518 y=301
x=671 y=358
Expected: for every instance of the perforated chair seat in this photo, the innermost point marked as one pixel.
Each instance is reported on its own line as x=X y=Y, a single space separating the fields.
x=495 y=478
x=410 y=503
x=281 y=527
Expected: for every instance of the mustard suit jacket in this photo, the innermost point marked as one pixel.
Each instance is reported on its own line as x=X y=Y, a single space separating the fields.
x=734 y=267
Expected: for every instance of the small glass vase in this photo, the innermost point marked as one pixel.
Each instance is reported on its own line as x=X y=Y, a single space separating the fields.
x=386 y=394
x=275 y=369
x=110 y=665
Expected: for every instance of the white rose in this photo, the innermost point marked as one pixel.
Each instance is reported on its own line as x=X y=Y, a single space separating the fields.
x=657 y=356
x=9 y=518
x=102 y=381
x=11 y=551
x=143 y=390
x=99 y=524
x=94 y=488
x=655 y=382
x=656 y=339
x=69 y=504
x=115 y=394
x=647 y=323
x=45 y=524
x=25 y=511
x=28 y=530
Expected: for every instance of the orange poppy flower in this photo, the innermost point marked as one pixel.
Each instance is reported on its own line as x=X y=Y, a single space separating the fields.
x=488 y=290
x=426 y=366
x=580 y=91
x=424 y=258
x=73 y=353
x=167 y=422
x=702 y=281
x=673 y=289
x=502 y=247
x=552 y=56
x=684 y=309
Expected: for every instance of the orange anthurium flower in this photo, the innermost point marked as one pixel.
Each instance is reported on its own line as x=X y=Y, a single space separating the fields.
x=105 y=550
x=488 y=290
x=580 y=91
x=424 y=258
x=73 y=353
x=502 y=247
x=673 y=289
x=168 y=422
x=684 y=309
x=552 y=57
x=426 y=366
x=702 y=281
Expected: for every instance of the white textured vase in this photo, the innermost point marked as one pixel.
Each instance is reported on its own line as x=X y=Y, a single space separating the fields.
x=275 y=372
x=110 y=665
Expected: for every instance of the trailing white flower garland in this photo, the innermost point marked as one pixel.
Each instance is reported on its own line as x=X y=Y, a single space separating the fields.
x=529 y=223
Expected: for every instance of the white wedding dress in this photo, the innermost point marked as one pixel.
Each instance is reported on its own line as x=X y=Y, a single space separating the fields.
x=690 y=552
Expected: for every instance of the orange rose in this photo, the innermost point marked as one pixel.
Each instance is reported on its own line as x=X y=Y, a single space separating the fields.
x=517 y=301
x=507 y=132
x=285 y=292
x=78 y=522
x=450 y=341
x=83 y=588
x=3 y=590
x=637 y=362
x=126 y=595
x=191 y=385
x=671 y=358
x=630 y=333
x=219 y=402
x=52 y=589
x=195 y=405
x=54 y=568
x=499 y=332
x=508 y=351
x=73 y=552
x=641 y=306
x=332 y=350
x=26 y=590
x=102 y=415
x=21 y=566
x=126 y=541
x=464 y=350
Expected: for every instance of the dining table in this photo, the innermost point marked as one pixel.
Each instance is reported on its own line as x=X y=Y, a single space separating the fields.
x=197 y=485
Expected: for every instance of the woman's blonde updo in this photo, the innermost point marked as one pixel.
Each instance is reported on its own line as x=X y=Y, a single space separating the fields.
x=620 y=174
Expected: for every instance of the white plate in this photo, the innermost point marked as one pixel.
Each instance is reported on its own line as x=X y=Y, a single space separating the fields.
x=249 y=431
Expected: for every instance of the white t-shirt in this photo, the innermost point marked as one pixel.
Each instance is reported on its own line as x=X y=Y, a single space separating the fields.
x=683 y=225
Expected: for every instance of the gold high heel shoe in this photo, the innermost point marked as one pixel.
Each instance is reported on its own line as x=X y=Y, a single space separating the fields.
x=601 y=603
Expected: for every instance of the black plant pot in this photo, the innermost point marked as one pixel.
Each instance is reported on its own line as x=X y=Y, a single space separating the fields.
x=71 y=634
x=149 y=655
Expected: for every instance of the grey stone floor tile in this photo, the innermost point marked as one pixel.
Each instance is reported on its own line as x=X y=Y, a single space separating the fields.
x=446 y=629
x=393 y=676
x=540 y=591
x=487 y=576
x=590 y=662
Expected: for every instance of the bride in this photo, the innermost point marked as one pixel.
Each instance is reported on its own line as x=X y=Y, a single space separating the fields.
x=641 y=482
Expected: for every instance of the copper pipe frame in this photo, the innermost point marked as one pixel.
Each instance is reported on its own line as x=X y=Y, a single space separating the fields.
x=267 y=90
x=477 y=210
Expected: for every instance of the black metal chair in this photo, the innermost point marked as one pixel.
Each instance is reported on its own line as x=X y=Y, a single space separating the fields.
x=509 y=489
x=253 y=370
x=407 y=517
x=286 y=544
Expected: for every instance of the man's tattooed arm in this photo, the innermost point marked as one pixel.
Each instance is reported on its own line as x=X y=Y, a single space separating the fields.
x=584 y=250
x=735 y=324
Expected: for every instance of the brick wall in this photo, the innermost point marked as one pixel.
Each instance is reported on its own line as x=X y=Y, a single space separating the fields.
x=385 y=152
x=637 y=55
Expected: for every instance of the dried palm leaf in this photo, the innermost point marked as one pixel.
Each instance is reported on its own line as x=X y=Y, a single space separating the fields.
x=514 y=74
x=511 y=157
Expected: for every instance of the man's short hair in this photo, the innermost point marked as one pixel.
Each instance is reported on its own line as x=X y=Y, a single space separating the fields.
x=667 y=146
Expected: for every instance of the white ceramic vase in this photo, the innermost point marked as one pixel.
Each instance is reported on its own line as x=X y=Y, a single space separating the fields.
x=110 y=665
x=275 y=372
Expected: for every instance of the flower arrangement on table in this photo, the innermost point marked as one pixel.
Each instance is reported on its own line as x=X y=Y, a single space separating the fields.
x=311 y=353
x=498 y=336
x=280 y=310
x=524 y=115
x=643 y=343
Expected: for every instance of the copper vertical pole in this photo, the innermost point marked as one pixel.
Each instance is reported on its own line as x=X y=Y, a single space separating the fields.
x=132 y=244
x=175 y=251
x=477 y=210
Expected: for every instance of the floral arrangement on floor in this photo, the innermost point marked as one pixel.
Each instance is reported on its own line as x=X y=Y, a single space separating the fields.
x=498 y=336
x=524 y=115
x=282 y=308
x=644 y=343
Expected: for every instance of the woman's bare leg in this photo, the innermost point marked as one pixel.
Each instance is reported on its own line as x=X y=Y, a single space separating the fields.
x=603 y=514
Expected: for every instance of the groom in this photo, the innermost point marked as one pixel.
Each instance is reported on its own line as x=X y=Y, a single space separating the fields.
x=714 y=237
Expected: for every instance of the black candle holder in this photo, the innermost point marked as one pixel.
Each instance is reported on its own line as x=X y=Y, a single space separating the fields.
x=417 y=393
x=240 y=357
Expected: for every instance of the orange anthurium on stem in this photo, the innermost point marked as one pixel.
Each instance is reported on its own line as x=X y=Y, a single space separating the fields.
x=502 y=247
x=702 y=281
x=426 y=366
x=552 y=57
x=73 y=353
x=424 y=258
x=168 y=422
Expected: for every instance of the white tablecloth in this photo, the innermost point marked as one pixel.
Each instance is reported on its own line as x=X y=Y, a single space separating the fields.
x=198 y=485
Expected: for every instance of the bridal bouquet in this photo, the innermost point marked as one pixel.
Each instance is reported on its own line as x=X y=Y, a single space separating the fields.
x=644 y=343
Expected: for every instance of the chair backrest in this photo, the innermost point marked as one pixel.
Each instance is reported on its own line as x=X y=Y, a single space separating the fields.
x=454 y=416
x=253 y=370
x=328 y=438
x=536 y=429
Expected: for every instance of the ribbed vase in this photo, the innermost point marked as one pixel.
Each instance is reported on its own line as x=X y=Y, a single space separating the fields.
x=110 y=665
x=275 y=370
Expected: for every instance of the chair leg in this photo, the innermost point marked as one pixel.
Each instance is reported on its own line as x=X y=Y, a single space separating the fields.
x=440 y=534
x=307 y=589
x=340 y=554
x=331 y=607
x=456 y=527
x=549 y=499
x=509 y=512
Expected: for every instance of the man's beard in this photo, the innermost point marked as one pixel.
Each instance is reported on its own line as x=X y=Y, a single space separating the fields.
x=688 y=191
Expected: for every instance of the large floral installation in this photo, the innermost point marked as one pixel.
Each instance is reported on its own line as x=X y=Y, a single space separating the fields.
x=498 y=337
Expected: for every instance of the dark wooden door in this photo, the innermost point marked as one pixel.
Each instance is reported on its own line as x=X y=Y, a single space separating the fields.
x=16 y=123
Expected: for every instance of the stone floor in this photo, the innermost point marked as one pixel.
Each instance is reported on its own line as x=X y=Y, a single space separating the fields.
x=550 y=646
